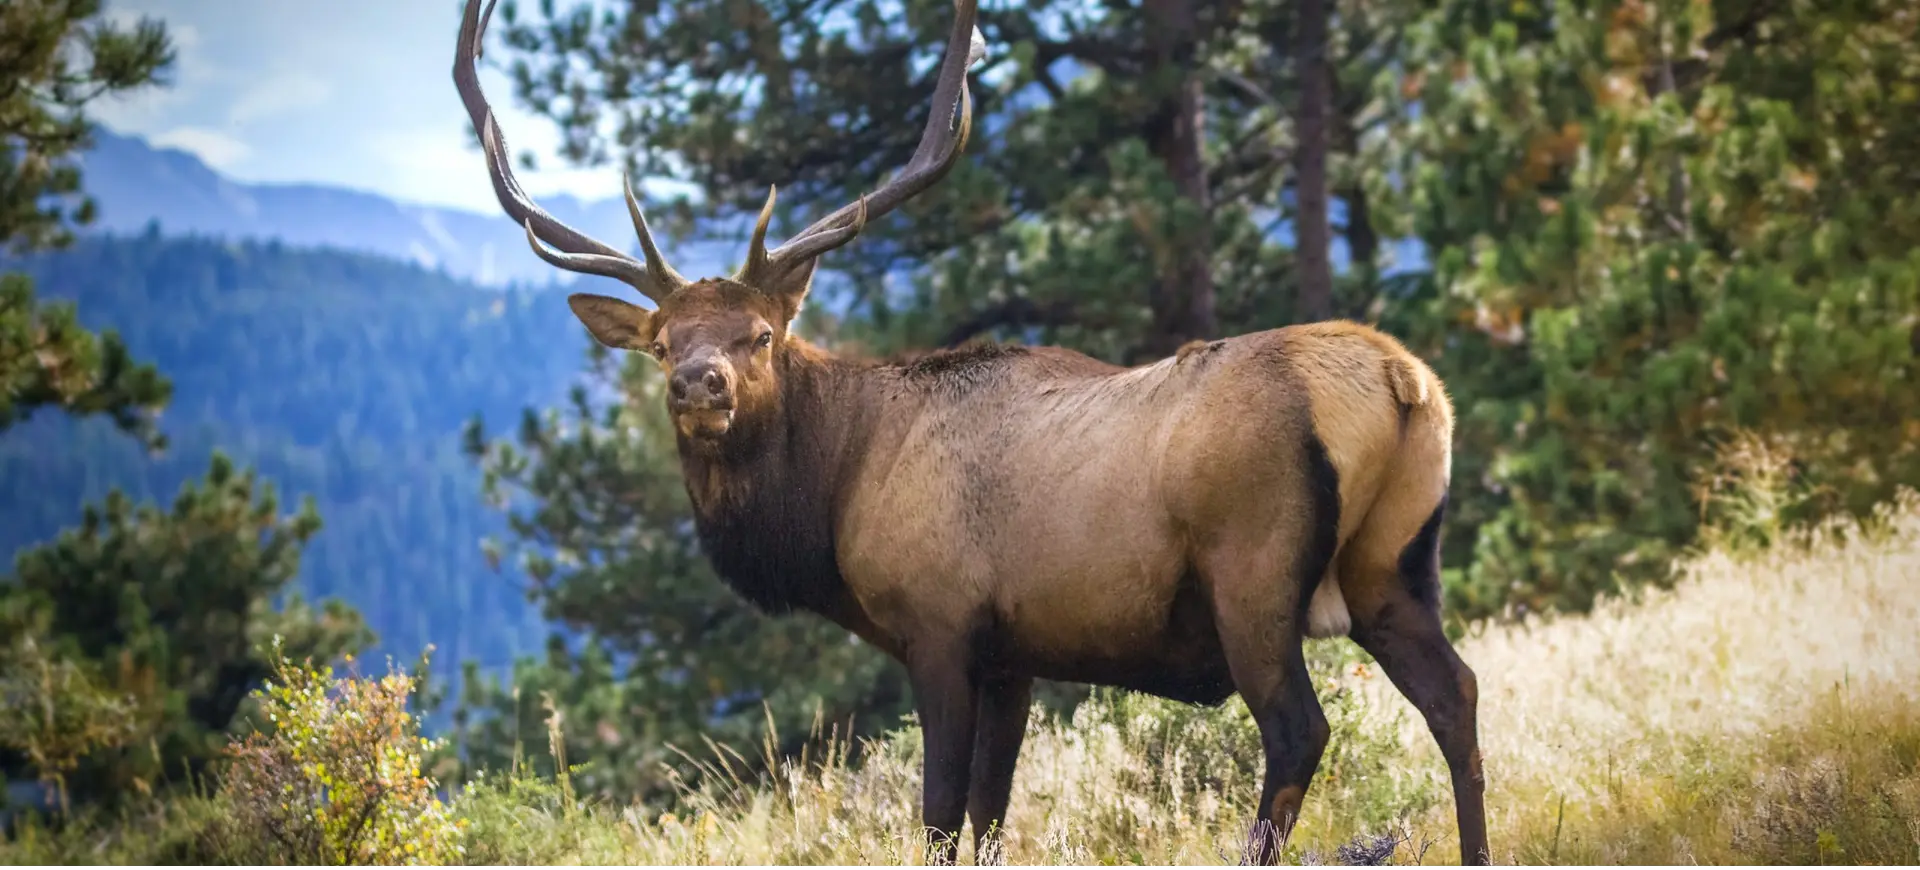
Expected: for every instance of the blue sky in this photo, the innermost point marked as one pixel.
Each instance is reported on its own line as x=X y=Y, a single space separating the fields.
x=354 y=93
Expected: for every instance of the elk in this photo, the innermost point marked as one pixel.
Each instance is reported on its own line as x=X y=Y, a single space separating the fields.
x=997 y=514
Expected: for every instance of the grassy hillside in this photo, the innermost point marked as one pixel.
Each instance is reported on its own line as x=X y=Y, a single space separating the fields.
x=1766 y=710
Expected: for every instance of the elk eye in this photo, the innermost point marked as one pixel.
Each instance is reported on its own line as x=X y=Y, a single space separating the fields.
x=765 y=339
x=658 y=350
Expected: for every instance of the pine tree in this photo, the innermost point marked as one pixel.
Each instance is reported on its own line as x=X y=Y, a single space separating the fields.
x=1126 y=185
x=177 y=608
x=48 y=360
x=56 y=57
x=1656 y=224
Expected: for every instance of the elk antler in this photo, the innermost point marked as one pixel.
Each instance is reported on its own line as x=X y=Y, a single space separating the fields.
x=571 y=249
x=941 y=144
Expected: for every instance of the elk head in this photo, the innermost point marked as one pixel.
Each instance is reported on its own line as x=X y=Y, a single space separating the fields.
x=720 y=340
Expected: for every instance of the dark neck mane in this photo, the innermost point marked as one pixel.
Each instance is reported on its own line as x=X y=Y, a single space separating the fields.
x=764 y=502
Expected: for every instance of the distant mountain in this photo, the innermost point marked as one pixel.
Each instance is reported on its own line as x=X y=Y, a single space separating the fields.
x=135 y=183
x=340 y=376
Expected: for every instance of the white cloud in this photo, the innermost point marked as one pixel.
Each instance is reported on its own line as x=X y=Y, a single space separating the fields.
x=262 y=91
x=278 y=94
x=220 y=150
x=435 y=165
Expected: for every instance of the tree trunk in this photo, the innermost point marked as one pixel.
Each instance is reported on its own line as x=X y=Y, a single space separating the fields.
x=1363 y=248
x=1312 y=237
x=1182 y=298
x=1363 y=243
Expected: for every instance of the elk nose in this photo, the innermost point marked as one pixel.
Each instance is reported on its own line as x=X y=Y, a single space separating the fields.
x=701 y=387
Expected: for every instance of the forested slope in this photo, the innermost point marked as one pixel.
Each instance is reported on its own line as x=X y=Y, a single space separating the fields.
x=339 y=376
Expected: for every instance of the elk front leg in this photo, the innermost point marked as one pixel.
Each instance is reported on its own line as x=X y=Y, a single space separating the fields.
x=1001 y=726
x=945 y=695
x=1293 y=733
x=1260 y=621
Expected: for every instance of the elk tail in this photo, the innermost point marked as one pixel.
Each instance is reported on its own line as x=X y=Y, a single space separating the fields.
x=1409 y=384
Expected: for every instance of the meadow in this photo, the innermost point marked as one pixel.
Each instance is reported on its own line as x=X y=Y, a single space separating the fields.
x=1765 y=709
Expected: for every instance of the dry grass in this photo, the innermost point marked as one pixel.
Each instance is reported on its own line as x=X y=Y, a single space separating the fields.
x=1755 y=713
x=1767 y=710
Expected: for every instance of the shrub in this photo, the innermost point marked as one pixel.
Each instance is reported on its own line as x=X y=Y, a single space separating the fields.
x=336 y=776
x=55 y=711
x=1751 y=493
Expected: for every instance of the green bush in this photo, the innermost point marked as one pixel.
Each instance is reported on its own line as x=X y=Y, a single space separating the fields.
x=335 y=778
x=55 y=711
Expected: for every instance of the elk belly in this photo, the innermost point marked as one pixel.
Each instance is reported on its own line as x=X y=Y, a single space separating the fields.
x=1327 y=613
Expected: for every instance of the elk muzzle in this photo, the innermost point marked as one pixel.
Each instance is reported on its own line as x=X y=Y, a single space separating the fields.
x=700 y=398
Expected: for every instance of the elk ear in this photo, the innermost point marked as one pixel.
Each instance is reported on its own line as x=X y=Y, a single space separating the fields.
x=791 y=289
x=614 y=323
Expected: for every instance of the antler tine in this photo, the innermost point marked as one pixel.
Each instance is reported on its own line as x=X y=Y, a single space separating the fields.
x=573 y=250
x=941 y=146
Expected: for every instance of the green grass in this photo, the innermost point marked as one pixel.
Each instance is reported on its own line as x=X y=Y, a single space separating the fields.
x=1766 y=710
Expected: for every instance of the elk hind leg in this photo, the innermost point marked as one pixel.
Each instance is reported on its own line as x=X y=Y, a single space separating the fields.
x=1396 y=618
